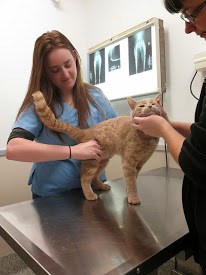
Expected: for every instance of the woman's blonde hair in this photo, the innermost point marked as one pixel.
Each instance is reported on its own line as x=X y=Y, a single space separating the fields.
x=39 y=80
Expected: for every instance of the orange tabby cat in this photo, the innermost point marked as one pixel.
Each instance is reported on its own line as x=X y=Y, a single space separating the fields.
x=116 y=136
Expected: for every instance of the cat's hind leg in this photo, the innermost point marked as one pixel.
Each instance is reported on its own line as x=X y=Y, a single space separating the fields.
x=96 y=180
x=130 y=174
x=88 y=170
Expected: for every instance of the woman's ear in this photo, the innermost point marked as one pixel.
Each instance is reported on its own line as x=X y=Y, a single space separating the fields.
x=75 y=55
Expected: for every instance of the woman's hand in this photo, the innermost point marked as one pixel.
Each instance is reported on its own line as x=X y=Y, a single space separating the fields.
x=87 y=150
x=152 y=125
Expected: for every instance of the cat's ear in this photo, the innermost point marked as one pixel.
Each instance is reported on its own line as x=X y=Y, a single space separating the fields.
x=132 y=103
x=158 y=98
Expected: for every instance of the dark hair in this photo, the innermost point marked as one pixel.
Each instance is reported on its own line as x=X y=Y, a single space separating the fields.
x=173 y=6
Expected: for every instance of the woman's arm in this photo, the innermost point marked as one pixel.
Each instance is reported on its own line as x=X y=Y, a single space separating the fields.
x=20 y=149
x=174 y=140
x=182 y=127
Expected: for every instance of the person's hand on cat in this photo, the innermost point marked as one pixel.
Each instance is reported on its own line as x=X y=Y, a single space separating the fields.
x=87 y=150
x=151 y=125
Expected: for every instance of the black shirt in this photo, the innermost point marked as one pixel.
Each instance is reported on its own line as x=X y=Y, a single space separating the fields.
x=192 y=160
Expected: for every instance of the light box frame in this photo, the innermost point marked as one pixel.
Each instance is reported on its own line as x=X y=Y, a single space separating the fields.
x=158 y=73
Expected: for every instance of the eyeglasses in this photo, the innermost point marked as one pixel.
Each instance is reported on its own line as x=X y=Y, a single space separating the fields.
x=191 y=18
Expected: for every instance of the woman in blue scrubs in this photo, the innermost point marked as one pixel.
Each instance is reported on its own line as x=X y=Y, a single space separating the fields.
x=56 y=72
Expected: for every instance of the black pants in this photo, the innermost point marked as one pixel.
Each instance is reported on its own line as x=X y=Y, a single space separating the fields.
x=203 y=272
x=194 y=204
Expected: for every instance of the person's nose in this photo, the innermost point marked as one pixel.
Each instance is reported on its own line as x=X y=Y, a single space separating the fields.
x=65 y=72
x=189 y=27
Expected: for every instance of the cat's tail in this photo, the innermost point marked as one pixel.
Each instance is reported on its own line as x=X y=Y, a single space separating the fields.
x=49 y=120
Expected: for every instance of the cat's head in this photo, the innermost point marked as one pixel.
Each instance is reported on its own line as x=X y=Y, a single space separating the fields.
x=145 y=107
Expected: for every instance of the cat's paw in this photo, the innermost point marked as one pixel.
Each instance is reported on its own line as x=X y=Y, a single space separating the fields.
x=134 y=200
x=105 y=187
x=92 y=197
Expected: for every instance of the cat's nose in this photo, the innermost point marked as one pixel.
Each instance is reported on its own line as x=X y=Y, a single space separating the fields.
x=150 y=106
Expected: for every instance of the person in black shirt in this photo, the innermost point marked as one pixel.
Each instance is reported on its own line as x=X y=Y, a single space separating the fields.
x=187 y=142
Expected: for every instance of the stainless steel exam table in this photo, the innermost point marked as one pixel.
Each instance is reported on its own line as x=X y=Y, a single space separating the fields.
x=66 y=234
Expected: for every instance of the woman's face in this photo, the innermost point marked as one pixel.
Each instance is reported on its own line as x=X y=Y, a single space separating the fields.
x=61 y=69
x=199 y=26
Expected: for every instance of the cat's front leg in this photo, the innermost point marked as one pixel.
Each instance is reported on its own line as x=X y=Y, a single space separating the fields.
x=132 y=194
x=89 y=194
x=130 y=176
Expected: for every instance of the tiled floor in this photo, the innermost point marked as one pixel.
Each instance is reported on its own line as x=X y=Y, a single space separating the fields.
x=13 y=265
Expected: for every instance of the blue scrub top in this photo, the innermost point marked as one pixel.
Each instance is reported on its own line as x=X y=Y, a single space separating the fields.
x=51 y=177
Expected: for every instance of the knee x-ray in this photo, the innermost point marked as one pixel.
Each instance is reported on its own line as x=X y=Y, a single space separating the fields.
x=140 y=52
x=97 y=67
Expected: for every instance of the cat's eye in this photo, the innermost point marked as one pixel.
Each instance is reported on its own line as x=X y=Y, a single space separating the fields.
x=142 y=105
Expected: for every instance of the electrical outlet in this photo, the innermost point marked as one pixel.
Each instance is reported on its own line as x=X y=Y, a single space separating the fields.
x=200 y=61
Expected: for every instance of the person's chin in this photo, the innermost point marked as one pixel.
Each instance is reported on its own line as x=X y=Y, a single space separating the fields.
x=69 y=84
